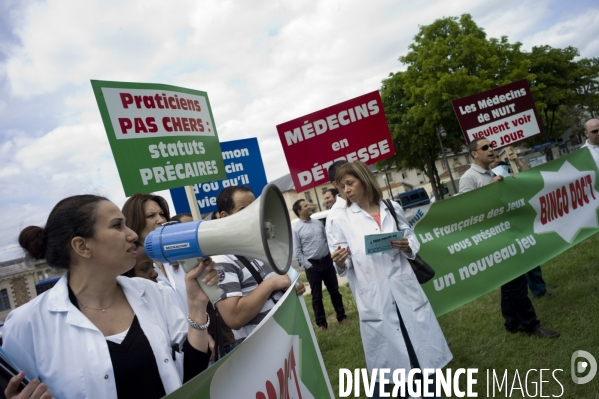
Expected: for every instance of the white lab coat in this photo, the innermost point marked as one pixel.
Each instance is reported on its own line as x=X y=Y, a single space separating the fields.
x=380 y=281
x=175 y=282
x=49 y=338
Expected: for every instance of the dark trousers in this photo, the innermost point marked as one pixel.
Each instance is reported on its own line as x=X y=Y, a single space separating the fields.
x=320 y=272
x=516 y=307
x=535 y=282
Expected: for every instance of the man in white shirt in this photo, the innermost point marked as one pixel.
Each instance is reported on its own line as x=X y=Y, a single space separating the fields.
x=340 y=199
x=591 y=130
x=330 y=196
x=479 y=173
x=516 y=307
x=338 y=207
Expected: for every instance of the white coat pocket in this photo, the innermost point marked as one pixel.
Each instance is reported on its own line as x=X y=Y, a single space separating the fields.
x=369 y=303
x=410 y=288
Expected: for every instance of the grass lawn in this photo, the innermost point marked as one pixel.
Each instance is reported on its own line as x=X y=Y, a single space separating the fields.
x=478 y=340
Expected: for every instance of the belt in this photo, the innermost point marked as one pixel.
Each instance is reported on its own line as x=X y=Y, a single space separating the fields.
x=324 y=258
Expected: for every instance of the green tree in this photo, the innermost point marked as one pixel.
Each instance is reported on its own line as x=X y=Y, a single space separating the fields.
x=449 y=59
x=589 y=90
x=561 y=87
x=556 y=79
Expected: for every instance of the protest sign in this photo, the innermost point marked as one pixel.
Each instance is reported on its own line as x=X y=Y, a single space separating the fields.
x=243 y=166
x=161 y=136
x=280 y=359
x=354 y=130
x=484 y=238
x=504 y=115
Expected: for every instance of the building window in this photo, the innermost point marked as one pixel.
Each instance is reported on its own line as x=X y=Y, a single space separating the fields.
x=324 y=190
x=403 y=176
x=40 y=277
x=443 y=165
x=4 y=301
x=419 y=173
x=308 y=197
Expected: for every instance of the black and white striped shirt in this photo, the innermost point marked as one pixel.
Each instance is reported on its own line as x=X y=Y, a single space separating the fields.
x=236 y=280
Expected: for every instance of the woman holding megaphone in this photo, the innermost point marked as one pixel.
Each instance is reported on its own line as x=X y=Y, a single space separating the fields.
x=97 y=333
x=144 y=214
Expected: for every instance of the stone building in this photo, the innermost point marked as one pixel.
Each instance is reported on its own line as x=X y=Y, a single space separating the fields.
x=18 y=278
x=391 y=182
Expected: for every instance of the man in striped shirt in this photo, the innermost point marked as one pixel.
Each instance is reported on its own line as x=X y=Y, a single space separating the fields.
x=245 y=301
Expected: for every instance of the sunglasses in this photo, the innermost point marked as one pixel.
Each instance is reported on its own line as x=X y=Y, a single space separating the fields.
x=594 y=131
x=484 y=147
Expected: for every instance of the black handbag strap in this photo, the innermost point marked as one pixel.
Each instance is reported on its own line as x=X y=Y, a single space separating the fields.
x=392 y=210
x=220 y=345
x=248 y=265
x=424 y=272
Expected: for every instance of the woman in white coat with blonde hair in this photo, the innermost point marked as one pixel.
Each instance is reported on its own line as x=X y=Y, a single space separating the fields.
x=398 y=326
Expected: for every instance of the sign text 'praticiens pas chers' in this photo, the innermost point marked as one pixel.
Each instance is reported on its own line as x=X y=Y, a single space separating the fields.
x=161 y=136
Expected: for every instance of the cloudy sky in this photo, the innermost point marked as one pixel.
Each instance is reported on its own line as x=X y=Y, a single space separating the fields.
x=261 y=62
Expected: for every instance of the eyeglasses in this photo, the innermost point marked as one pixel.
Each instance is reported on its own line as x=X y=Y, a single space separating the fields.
x=594 y=131
x=484 y=147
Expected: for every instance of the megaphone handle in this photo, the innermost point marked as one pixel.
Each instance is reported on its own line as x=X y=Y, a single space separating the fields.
x=214 y=292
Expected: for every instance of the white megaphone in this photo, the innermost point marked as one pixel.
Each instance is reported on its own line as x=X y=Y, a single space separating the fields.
x=261 y=231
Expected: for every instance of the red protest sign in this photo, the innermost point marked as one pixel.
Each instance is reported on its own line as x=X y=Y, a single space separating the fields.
x=504 y=115
x=355 y=130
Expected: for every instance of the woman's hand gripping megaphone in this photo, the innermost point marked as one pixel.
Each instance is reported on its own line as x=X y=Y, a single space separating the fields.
x=208 y=278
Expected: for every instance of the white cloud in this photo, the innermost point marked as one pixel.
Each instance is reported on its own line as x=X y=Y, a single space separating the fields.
x=581 y=31
x=515 y=19
x=69 y=148
x=262 y=63
x=36 y=173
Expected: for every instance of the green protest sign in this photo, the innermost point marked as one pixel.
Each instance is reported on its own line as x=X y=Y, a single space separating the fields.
x=280 y=359
x=161 y=136
x=482 y=239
